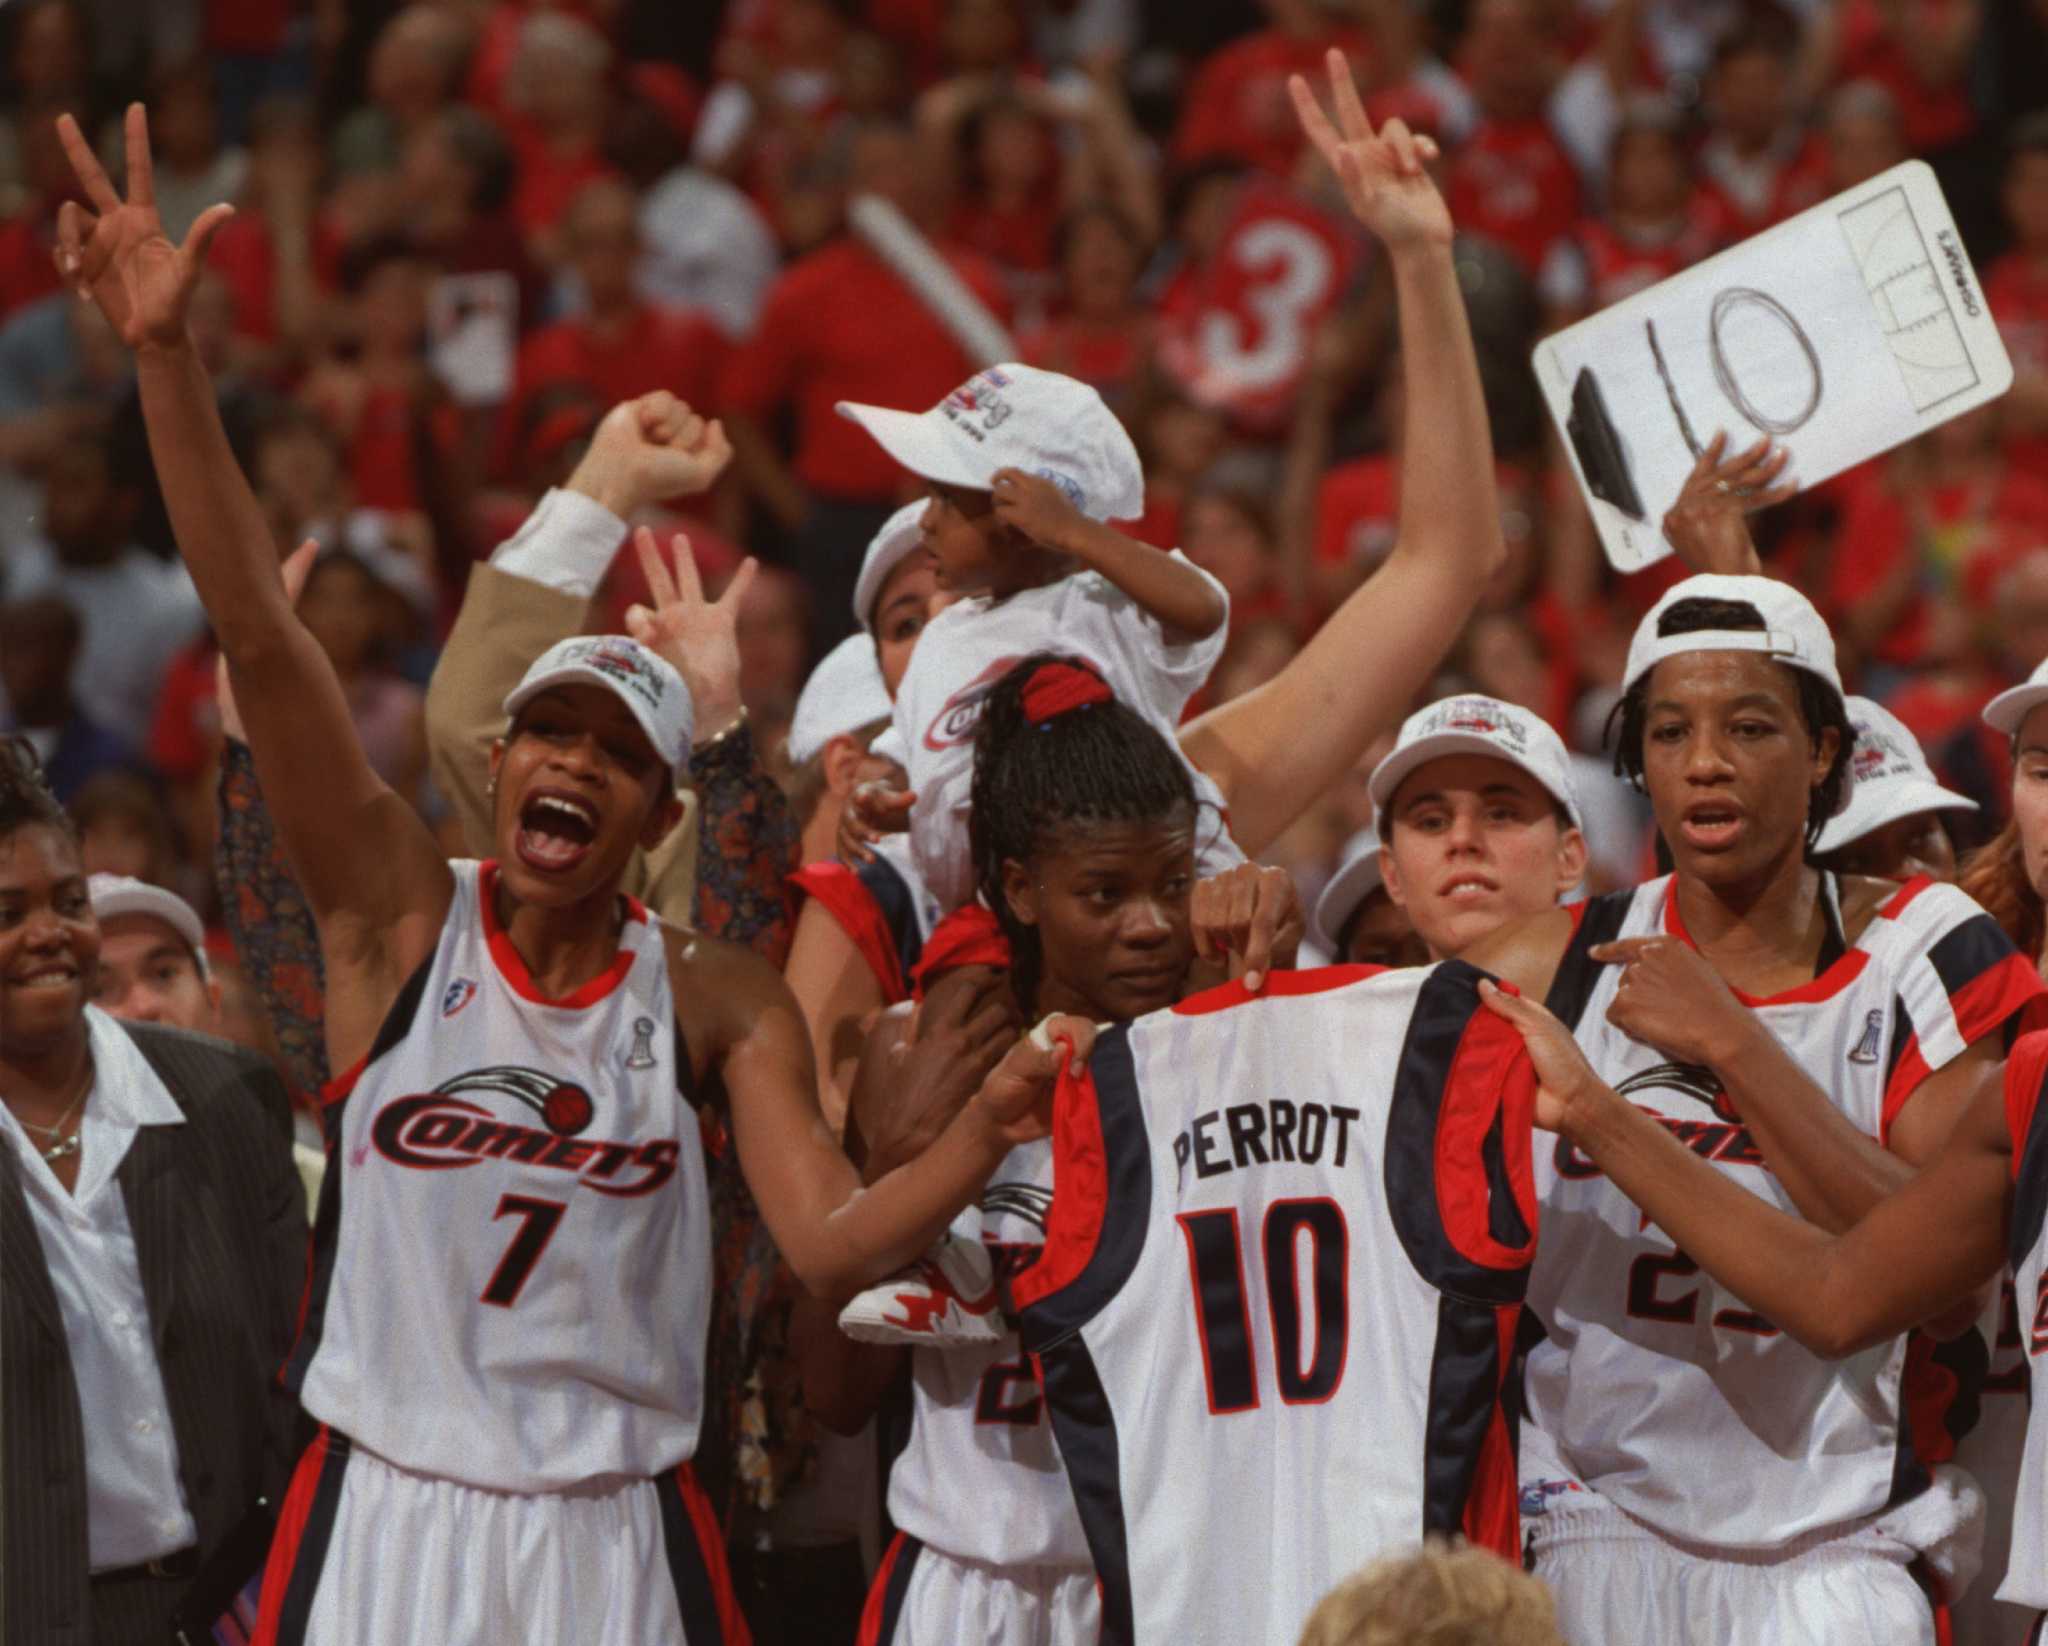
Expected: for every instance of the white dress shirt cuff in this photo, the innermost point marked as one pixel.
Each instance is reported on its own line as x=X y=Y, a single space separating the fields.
x=567 y=543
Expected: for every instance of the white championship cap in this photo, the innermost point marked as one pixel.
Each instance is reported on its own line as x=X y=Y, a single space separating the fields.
x=1017 y=417
x=895 y=543
x=648 y=685
x=1793 y=631
x=1890 y=779
x=2008 y=711
x=114 y=895
x=1478 y=725
x=844 y=693
x=1357 y=878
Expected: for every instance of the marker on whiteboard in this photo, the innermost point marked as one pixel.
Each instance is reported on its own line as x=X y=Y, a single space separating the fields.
x=1597 y=442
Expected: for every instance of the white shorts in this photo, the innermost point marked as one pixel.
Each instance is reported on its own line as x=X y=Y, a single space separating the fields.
x=369 y=1554
x=921 y=1597
x=1617 y=1583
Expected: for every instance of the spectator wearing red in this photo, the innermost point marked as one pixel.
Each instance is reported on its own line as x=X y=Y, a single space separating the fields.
x=1655 y=222
x=1759 y=162
x=1512 y=183
x=48 y=66
x=558 y=93
x=455 y=179
x=619 y=347
x=1920 y=51
x=1099 y=331
x=1861 y=134
x=2016 y=286
x=839 y=324
x=415 y=72
x=1180 y=439
x=28 y=239
x=1236 y=106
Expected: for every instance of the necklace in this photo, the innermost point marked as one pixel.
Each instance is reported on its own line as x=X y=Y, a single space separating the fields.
x=63 y=1145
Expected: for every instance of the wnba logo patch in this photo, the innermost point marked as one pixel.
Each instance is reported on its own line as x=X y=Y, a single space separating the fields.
x=457 y=995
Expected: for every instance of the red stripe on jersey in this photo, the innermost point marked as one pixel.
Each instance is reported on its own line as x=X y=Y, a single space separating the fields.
x=291 y=1530
x=1981 y=1007
x=1824 y=987
x=337 y=1087
x=1896 y=905
x=512 y=966
x=1315 y=980
x=873 y=1616
x=732 y=1621
x=1080 y=1192
x=1490 y=1075
x=838 y=890
x=969 y=936
x=2025 y=1071
x=1493 y=1518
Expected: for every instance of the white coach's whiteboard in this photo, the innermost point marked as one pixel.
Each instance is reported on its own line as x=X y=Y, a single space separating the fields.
x=1841 y=333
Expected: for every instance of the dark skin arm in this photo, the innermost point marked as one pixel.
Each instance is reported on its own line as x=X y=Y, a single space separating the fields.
x=1917 y=1252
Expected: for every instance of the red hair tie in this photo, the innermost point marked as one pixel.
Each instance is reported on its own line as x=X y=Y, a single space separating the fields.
x=1056 y=688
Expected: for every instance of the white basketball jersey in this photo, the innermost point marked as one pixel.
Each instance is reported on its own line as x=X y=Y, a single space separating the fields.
x=2026 y=1073
x=1277 y=1303
x=972 y=644
x=981 y=1479
x=511 y=1274
x=1658 y=1387
x=1994 y=1451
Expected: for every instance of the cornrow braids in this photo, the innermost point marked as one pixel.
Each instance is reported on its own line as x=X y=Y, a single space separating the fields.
x=25 y=798
x=1055 y=750
x=1820 y=707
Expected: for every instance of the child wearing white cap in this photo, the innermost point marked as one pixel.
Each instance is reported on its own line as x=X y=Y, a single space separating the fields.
x=1891 y=827
x=1025 y=468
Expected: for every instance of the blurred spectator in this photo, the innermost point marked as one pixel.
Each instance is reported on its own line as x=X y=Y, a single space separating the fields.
x=454 y=200
x=1920 y=52
x=415 y=70
x=123 y=829
x=1235 y=106
x=152 y=966
x=1862 y=134
x=136 y=610
x=2016 y=286
x=28 y=238
x=1512 y=183
x=361 y=602
x=268 y=254
x=47 y=65
x=1180 y=440
x=1098 y=330
x=840 y=325
x=1229 y=534
x=773 y=638
x=1759 y=162
x=193 y=168
x=705 y=246
x=61 y=369
x=39 y=646
x=1441 y=1595
x=556 y=96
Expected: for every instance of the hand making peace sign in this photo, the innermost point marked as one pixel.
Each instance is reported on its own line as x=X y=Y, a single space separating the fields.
x=700 y=637
x=1383 y=173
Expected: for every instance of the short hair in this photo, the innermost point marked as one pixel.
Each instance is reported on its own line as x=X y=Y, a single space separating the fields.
x=26 y=799
x=804 y=787
x=1820 y=706
x=1442 y=1594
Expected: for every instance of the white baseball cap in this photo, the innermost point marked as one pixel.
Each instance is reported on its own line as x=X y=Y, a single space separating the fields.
x=2008 y=711
x=1017 y=417
x=1793 y=631
x=895 y=543
x=114 y=895
x=647 y=684
x=844 y=693
x=1478 y=725
x=1890 y=779
x=1357 y=878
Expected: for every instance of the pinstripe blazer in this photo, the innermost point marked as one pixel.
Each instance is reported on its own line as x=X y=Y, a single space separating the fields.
x=220 y=1234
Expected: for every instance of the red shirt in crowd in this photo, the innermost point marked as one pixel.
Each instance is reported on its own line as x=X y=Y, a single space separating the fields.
x=28 y=270
x=2016 y=287
x=1514 y=184
x=1870 y=50
x=1749 y=196
x=1598 y=263
x=1108 y=358
x=548 y=181
x=839 y=325
x=660 y=348
x=1237 y=105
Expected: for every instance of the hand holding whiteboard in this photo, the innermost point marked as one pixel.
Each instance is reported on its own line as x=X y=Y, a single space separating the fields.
x=1842 y=332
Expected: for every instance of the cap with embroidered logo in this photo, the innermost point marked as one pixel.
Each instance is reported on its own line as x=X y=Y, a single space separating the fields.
x=1017 y=417
x=1890 y=779
x=843 y=694
x=114 y=895
x=1477 y=725
x=646 y=683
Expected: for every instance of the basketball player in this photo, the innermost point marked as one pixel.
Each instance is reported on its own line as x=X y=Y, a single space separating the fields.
x=504 y=1331
x=1694 y=1473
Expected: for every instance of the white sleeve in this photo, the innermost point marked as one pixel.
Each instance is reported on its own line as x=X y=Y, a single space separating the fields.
x=567 y=543
x=1169 y=672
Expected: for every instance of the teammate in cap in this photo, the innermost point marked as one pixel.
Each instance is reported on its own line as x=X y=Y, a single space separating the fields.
x=503 y=1335
x=1692 y=1473
x=1892 y=827
x=1355 y=922
x=153 y=966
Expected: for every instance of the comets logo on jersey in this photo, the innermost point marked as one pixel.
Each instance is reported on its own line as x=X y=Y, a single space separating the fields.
x=443 y=1130
x=955 y=722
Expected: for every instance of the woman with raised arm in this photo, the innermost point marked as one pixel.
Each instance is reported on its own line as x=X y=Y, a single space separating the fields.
x=503 y=1336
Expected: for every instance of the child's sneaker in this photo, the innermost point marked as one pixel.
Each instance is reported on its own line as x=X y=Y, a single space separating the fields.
x=947 y=1299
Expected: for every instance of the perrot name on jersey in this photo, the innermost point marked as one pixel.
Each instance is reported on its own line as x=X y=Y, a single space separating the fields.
x=443 y=1130
x=1262 y=1134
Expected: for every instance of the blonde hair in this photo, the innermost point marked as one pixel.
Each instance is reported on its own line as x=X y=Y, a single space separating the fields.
x=1442 y=1594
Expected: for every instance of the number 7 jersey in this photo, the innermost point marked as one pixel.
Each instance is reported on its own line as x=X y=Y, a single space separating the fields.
x=1278 y=1296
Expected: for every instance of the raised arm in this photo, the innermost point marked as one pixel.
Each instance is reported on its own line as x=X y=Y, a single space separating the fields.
x=369 y=866
x=1357 y=676
x=1915 y=1254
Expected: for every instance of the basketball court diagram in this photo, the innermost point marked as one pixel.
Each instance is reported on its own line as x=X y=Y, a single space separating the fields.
x=1913 y=306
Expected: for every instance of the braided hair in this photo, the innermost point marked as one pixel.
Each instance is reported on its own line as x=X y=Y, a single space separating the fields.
x=1820 y=707
x=25 y=797
x=1054 y=750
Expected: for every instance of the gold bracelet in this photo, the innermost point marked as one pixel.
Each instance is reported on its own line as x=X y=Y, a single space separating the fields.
x=698 y=750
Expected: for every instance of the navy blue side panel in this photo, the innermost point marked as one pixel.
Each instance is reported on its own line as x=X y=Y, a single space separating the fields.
x=1902 y=1037
x=1127 y=1201
x=1085 y=1428
x=902 y=1561
x=1442 y=1010
x=398 y=1021
x=899 y=910
x=1504 y=1218
x=1572 y=987
x=688 y=1566
x=1968 y=952
x=310 y=1557
x=1464 y=1393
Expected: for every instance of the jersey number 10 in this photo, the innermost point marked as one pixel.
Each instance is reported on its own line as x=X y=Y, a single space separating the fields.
x=1223 y=1309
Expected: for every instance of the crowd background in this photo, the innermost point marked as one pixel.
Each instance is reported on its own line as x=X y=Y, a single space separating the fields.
x=466 y=228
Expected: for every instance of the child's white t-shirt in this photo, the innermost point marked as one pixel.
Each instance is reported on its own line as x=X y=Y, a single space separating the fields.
x=973 y=643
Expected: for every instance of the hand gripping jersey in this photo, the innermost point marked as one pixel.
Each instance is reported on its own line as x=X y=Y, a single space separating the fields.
x=511 y=1271
x=972 y=644
x=1657 y=1387
x=2026 y=1077
x=882 y=906
x=980 y=1479
x=1279 y=1291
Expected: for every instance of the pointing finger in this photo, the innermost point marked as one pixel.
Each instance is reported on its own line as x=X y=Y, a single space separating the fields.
x=92 y=176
